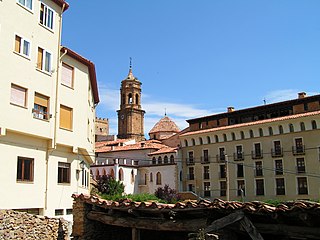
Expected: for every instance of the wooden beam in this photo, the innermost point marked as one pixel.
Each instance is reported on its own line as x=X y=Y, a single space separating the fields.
x=225 y=221
x=135 y=234
x=183 y=225
x=250 y=228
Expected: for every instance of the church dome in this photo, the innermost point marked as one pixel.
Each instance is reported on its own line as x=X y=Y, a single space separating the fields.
x=165 y=125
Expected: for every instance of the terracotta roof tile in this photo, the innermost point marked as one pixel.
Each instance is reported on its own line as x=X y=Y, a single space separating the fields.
x=150 y=144
x=164 y=150
x=253 y=123
x=165 y=125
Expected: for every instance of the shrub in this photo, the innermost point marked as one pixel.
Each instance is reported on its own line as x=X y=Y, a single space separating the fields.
x=109 y=186
x=167 y=194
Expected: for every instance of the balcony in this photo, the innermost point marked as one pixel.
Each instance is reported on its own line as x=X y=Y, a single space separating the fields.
x=298 y=150
x=279 y=171
x=190 y=161
x=205 y=159
x=258 y=173
x=257 y=154
x=238 y=156
x=301 y=169
x=221 y=158
x=277 y=152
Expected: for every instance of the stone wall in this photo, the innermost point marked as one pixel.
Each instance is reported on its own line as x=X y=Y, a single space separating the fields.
x=20 y=225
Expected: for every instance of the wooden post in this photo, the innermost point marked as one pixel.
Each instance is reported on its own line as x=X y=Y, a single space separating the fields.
x=135 y=234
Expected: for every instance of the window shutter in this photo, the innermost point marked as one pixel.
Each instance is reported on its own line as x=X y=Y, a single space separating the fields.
x=17 y=46
x=40 y=58
x=67 y=75
x=65 y=117
x=41 y=100
x=18 y=95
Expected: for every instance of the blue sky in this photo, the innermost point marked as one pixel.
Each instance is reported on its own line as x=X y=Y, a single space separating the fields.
x=196 y=58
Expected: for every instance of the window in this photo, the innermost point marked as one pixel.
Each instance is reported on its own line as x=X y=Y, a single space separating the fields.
x=280 y=187
x=67 y=75
x=270 y=131
x=258 y=169
x=40 y=107
x=121 y=175
x=63 y=172
x=233 y=136
x=206 y=186
x=66 y=117
x=259 y=187
x=291 y=128
x=69 y=211
x=159 y=160
x=200 y=141
x=44 y=60
x=130 y=98
x=278 y=167
x=241 y=188
x=18 y=96
x=302 y=126
x=239 y=153
x=280 y=129
x=299 y=147
x=277 y=149
x=260 y=132
x=223 y=188
x=242 y=135
x=301 y=168
x=208 y=140
x=26 y=3
x=171 y=159
x=190 y=159
x=46 y=16
x=314 y=124
x=154 y=160
x=222 y=154
x=191 y=187
x=206 y=172
x=257 y=152
x=191 y=173
x=205 y=158
x=186 y=143
x=251 y=134
x=193 y=142
x=165 y=159
x=22 y=46
x=225 y=137
x=302 y=185
x=158 y=180
x=137 y=99
x=58 y=212
x=240 y=171
x=151 y=177
x=25 y=169
x=222 y=171
x=216 y=138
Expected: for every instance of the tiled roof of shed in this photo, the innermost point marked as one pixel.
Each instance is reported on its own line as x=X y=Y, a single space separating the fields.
x=164 y=150
x=295 y=116
x=150 y=144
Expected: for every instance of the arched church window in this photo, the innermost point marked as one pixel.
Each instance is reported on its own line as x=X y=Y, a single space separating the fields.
x=137 y=99
x=130 y=98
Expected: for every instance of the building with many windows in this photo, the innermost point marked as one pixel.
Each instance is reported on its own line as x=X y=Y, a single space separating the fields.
x=265 y=152
x=48 y=96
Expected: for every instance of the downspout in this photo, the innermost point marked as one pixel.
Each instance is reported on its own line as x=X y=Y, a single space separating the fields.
x=53 y=146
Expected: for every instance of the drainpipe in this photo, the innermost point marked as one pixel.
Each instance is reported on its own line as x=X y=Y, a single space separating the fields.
x=53 y=146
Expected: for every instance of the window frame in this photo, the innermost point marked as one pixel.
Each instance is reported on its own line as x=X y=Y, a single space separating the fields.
x=69 y=128
x=22 y=42
x=43 y=17
x=25 y=5
x=31 y=170
x=71 y=68
x=64 y=173
x=42 y=68
x=17 y=87
x=42 y=109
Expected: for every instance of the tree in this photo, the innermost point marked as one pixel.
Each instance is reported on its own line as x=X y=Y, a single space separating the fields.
x=106 y=184
x=168 y=194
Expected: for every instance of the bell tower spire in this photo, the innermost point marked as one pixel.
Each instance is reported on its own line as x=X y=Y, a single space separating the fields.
x=130 y=114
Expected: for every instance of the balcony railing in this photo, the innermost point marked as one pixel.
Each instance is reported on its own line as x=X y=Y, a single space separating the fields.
x=257 y=154
x=238 y=156
x=221 y=158
x=205 y=159
x=258 y=173
x=279 y=171
x=301 y=169
x=277 y=152
x=298 y=150
x=190 y=161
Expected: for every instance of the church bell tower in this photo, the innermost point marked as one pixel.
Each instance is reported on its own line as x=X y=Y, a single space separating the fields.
x=130 y=115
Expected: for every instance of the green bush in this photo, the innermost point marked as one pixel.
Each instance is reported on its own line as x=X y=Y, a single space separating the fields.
x=107 y=185
x=167 y=194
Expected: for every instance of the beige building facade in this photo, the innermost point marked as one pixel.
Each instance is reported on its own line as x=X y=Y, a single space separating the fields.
x=48 y=94
x=266 y=152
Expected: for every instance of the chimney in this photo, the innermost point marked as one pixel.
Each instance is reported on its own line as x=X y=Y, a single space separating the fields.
x=230 y=109
x=301 y=95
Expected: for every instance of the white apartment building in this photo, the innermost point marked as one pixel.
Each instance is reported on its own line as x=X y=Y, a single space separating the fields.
x=48 y=95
